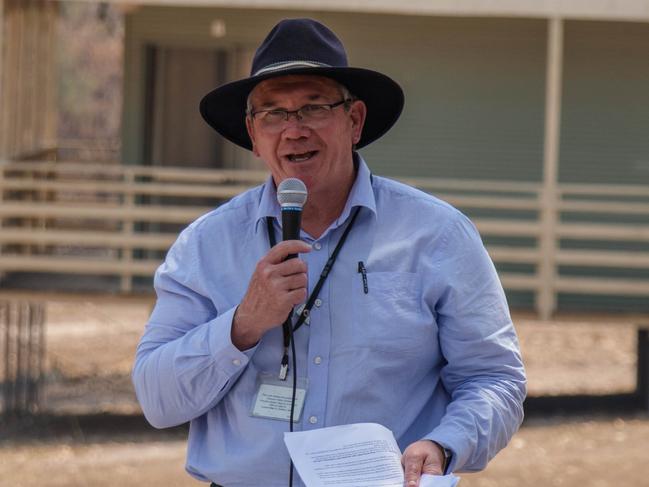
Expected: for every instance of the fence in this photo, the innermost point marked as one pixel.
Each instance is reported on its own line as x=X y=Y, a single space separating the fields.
x=118 y=220
x=581 y=239
x=22 y=345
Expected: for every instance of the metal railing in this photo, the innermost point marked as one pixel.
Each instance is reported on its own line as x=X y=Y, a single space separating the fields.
x=112 y=219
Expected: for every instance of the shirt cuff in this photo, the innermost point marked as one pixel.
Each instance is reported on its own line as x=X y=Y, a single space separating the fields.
x=451 y=441
x=227 y=357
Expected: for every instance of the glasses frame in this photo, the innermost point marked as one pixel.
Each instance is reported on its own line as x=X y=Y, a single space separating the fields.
x=297 y=113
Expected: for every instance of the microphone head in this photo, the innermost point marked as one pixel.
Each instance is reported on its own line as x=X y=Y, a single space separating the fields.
x=291 y=192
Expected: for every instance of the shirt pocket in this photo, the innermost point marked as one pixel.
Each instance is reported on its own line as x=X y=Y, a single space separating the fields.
x=389 y=316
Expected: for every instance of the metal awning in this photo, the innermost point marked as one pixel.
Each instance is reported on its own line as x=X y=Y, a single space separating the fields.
x=623 y=10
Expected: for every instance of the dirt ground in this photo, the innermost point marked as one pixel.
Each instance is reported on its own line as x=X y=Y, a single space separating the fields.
x=584 y=452
x=91 y=342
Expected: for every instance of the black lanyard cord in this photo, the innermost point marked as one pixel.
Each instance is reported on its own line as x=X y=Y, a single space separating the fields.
x=288 y=329
x=323 y=277
x=293 y=394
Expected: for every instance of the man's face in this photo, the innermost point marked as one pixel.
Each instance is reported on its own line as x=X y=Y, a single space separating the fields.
x=317 y=152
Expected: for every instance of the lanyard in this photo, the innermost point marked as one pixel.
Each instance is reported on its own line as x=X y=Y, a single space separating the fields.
x=286 y=326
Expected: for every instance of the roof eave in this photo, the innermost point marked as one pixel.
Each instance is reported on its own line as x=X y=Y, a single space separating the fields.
x=622 y=10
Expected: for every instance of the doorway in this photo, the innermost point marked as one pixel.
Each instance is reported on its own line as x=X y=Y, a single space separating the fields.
x=175 y=133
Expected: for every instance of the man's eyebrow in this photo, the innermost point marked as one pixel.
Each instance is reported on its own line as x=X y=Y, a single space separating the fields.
x=268 y=104
x=272 y=104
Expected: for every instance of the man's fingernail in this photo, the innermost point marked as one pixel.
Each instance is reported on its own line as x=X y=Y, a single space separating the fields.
x=412 y=482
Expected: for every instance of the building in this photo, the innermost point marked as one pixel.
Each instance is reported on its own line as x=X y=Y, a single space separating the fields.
x=543 y=103
x=27 y=77
x=526 y=91
x=474 y=71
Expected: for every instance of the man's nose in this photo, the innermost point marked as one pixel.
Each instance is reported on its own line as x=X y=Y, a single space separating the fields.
x=294 y=128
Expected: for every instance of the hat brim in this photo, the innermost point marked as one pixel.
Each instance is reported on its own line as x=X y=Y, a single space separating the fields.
x=224 y=108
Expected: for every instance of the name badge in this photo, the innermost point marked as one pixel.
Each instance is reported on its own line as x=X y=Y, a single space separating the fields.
x=273 y=398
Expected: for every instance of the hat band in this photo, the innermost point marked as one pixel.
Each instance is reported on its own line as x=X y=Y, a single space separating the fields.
x=290 y=64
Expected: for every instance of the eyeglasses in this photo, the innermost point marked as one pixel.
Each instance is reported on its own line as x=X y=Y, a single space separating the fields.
x=312 y=115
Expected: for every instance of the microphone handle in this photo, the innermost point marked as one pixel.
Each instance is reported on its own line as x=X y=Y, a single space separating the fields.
x=291 y=223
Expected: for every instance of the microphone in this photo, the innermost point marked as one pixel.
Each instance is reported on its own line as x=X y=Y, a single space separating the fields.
x=291 y=195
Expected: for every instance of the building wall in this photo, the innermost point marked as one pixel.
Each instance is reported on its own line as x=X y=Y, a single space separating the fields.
x=151 y=29
x=27 y=77
x=2 y=70
x=474 y=87
x=475 y=102
x=605 y=125
x=474 y=94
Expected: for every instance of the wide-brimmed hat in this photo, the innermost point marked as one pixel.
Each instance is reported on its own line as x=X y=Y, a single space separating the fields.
x=304 y=46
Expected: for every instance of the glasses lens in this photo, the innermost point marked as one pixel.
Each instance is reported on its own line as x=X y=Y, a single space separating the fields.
x=273 y=117
x=315 y=112
x=308 y=114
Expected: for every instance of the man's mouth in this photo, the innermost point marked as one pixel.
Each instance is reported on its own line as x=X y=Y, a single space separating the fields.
x=301 y=157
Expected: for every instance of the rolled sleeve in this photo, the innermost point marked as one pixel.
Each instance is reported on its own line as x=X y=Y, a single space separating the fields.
x=484 y=373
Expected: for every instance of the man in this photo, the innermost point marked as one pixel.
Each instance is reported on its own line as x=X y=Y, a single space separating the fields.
x=410 y=329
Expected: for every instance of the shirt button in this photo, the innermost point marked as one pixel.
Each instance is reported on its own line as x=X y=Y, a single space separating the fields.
x=318 y=302
x=317 y=245
x=313 y=420
x=236 y=362
x=317 y=360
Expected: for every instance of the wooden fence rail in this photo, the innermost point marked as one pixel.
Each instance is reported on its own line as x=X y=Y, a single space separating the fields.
x=111 y=219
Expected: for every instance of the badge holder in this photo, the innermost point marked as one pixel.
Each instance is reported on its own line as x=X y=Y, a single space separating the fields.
x=273 y=398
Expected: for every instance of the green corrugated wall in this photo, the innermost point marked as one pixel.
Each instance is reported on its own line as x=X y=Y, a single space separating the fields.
x=474 y=87
x=474 y=96
x=475 y=90
x=605 y=124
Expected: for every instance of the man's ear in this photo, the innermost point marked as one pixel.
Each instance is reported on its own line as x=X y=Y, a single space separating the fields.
x=358 y=112
x=251 y=133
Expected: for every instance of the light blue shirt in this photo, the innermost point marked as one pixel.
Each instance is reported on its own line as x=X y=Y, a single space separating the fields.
x=429 y=351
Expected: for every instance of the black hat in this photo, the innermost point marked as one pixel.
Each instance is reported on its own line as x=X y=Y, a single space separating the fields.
x=303 y=46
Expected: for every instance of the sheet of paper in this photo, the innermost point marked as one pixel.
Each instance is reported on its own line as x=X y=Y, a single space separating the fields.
x=438 y=481
x=355 y=455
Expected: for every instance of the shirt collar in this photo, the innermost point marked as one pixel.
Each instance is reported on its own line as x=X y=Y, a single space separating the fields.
x=268 y=205
x=361 y=194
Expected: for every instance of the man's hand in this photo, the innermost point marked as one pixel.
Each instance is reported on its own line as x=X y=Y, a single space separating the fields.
x=275 y=287
x=424 y=456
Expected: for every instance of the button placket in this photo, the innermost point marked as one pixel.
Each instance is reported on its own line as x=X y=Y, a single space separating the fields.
x=319 y=341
